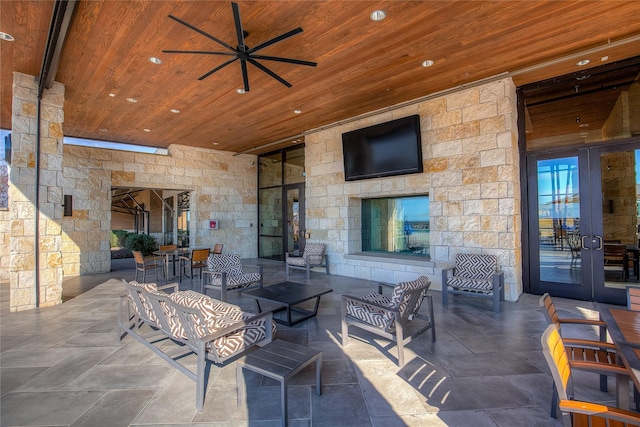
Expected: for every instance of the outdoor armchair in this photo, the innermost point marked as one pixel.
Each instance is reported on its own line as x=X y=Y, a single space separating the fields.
x=314 y=256
x=474 y=275
x=225 y=273
x=146 y=263
x=390 y=317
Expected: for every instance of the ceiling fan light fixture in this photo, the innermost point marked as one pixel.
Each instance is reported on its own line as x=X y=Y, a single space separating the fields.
x=378 y=15
x=428 y=63
x=583 y=62
x=155 y=60
x=6 y=37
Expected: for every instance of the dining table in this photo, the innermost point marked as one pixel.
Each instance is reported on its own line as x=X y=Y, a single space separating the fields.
x=624 y=329
x=175 y=255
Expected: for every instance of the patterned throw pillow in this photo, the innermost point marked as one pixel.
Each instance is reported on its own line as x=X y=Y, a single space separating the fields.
x=228 y=263
x=475 y=266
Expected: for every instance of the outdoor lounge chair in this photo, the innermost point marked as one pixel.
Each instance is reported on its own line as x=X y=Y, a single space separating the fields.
x=474 y=275
x=578 y=413
x=226 y=273
x=390 y=317
x=314 y=256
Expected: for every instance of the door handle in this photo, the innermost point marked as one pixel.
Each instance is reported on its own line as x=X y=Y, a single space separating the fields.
x=599 y=240
x=582 y=242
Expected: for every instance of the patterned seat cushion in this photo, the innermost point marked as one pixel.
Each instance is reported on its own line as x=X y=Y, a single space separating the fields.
x=236 y=281
x=215 y=316
x=473 y=273
x=148 y=310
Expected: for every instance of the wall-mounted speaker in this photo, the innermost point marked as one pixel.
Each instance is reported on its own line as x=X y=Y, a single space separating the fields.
x=68 y=205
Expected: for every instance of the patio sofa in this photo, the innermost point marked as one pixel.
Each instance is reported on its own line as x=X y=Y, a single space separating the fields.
x=215 y=331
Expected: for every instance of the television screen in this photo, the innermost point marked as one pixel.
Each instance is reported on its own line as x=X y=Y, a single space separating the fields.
x=386 y=149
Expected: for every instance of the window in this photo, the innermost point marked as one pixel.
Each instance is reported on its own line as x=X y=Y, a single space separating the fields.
x=396 y=225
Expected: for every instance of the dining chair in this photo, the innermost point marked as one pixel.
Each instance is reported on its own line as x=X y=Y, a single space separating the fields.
x=144 y=264
x=579 y=413
x=196 y=260
x=601 y=351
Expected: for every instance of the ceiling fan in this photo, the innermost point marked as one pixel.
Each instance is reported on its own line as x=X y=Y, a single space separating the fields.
x=242 y=52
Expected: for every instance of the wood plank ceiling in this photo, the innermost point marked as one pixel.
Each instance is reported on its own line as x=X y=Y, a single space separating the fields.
x=363 y=65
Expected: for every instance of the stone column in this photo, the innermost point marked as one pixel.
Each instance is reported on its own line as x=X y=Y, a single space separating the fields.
x=22 y=193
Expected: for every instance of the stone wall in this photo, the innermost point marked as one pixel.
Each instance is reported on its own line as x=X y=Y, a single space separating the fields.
x=22 y=195
x=471 y=175
x=222 y=186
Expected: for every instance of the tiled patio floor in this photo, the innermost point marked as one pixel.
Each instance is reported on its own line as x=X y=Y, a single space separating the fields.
x=64 y=366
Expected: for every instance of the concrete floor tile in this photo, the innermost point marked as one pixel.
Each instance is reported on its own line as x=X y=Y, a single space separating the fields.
x=128 y=404
x=12 y=378
x=45 y=408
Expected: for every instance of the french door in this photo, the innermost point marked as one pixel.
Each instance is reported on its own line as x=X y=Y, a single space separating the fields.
x=583 y=222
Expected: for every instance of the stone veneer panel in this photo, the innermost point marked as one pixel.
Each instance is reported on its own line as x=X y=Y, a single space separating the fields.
x=22 y=193
x=222 y=186
x=471 y=174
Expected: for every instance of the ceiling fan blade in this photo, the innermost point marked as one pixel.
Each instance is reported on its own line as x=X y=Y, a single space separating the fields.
x=239 y=32
x=245 y=75
x=204 y=76
x=197 y=30
x=288 y=60
x=275 y=40
x=200 y=52
x=268 y=71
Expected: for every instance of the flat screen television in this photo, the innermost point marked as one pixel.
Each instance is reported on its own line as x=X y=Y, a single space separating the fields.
x=386 y=149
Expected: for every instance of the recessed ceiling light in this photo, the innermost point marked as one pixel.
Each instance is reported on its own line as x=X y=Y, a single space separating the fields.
x=155 y=60
x=6 y=36
x=174 y=111
x=132 y=100
x=378 y=15
x=214 y=143
x=428 y=63
x=103 y=130
x=240 y=91
x=146 y=130
x=112 y=95
x=604 y=58
x=583 y=62
x=297 y=111
x=584 y=125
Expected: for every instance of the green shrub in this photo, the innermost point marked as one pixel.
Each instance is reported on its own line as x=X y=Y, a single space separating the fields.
x=117 y=238
x=141 y=242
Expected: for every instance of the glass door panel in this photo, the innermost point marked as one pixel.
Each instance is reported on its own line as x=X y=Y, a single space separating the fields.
x=620 y=180
x=294 y=216
x=559 y=221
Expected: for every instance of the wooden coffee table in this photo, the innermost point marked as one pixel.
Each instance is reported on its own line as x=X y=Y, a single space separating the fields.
x=288 y=295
